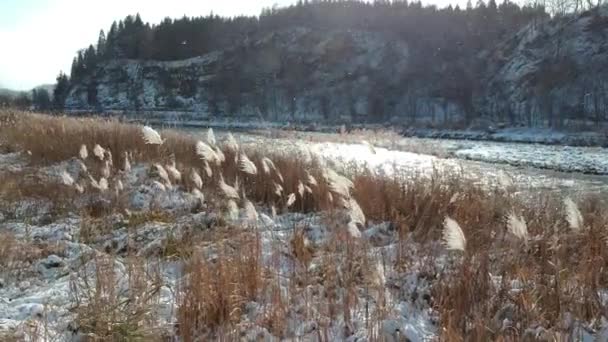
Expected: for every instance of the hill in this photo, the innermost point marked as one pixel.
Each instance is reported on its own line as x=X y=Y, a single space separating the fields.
x=351 y=61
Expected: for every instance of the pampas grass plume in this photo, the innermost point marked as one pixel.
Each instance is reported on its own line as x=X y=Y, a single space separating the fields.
x=369 y=146
x=205 y=152
x=103 y=184
x=227 y=190
x=291 y=199
x=278 y=189
x=196 y=179
x=517 y=226
x=246 y=165
x=150 y=136
x=162 y=173
x=453 y=236
x=301 y=189
x=66 y=178
x=231 y=144
x=210 y=137
x=173 y=172
x=338 y=183
x=83 y=153
x=98 y=152
x=573 y=214
x=353 y=230
x=158 y=185
x=251 y=215
x=232 y=210
x=127 y=164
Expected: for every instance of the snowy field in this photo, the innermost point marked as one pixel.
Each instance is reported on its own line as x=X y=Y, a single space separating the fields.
x=38 y=295
x=50 y=258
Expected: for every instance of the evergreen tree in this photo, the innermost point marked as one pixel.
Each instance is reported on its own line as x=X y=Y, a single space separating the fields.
x=90 y=59
x=101 y=44
x=74 y=70
x=60 y=93
x=111 y=41
x=41 y=99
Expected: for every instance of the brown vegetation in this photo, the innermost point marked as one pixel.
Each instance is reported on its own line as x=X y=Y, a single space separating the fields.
x=500 y=286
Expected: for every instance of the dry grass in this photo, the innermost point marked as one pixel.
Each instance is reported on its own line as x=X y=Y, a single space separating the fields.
x=53 y=139
x=494 y=290
x=17 y=256
x=105 y=312
x=213 y=294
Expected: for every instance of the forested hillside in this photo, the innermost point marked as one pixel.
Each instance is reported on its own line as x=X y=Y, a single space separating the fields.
x=351 y=61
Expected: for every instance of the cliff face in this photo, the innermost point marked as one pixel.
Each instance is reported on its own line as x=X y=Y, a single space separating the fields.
x=544 y=75
x=551 y=74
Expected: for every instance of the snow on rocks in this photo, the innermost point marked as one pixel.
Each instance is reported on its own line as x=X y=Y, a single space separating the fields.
x=12 y=162
x=411 y=324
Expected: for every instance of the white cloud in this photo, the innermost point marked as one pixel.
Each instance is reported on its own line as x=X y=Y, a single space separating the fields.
x=36 y=48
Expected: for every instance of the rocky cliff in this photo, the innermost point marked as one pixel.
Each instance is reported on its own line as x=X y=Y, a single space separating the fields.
x=550 y=73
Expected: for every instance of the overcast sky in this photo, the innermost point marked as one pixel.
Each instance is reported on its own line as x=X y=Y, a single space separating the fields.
x=40 y=37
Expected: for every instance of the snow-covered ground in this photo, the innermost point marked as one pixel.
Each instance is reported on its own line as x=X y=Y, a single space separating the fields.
x=37 y=297
x=524 y=165
x=42 y=276
x=39 y=294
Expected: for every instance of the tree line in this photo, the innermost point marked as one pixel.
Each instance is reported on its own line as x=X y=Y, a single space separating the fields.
x=446 y=39
x=39 y=99
x=451 y=30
